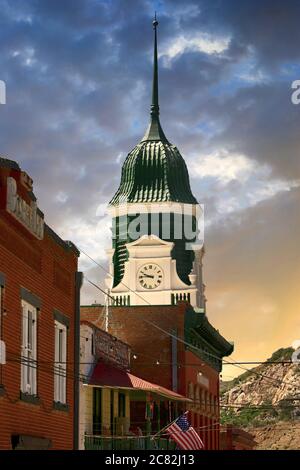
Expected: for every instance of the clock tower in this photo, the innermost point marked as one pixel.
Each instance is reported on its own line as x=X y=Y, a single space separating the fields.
x=156 y=257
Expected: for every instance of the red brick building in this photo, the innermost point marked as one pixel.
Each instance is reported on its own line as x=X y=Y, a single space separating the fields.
x=39 y=323
x=110 y=395
x=176 y=347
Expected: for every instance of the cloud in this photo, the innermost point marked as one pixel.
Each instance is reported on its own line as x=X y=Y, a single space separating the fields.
x=93 y=237
x=223 y=166
x=202 y=43
x=61 y=197
x=78 y=83
x=254 y=297
x=241 y=181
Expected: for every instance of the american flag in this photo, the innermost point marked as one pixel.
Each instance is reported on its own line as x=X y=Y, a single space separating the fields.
x=184 y=434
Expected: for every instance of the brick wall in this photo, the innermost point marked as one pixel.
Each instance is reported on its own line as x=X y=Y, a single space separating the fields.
x=31 y=263
x=149 y=344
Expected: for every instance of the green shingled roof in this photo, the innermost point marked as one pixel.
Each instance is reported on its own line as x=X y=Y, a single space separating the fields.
x=154 y=171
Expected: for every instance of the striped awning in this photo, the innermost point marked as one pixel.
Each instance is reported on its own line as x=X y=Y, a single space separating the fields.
x=105 y=375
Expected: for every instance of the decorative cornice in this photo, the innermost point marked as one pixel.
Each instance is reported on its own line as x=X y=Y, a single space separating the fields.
x=31 y=298
x=61 y=318
x=199 y=331
x=65 y=244
x=7 y=163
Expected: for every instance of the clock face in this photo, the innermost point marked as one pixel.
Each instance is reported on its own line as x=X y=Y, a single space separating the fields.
x=150 y=276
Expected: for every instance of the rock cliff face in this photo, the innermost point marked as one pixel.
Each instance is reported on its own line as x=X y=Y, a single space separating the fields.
x=266 y=402
x=283 y=435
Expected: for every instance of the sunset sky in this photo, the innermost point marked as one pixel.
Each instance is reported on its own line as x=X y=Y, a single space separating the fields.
x=78 y=77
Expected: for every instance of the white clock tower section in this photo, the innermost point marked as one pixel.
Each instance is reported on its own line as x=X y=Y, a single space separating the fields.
x=150 y=276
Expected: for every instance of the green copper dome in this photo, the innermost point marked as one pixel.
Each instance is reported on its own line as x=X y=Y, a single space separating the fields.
x=154 y=171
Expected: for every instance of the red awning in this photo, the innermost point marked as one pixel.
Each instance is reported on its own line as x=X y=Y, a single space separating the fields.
x=105 y=375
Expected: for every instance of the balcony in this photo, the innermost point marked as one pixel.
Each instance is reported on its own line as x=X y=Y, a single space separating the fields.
x=127 y=443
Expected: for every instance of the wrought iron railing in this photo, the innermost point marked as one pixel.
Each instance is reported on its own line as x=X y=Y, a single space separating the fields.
x=127 y=443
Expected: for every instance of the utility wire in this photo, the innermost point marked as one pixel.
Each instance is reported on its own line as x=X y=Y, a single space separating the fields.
x=206 y=405
x=177 y=337
x=236 y=364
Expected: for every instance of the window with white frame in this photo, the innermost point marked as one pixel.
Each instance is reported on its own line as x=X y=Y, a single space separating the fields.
x=29 y=349
x=60 y=365
x=2 y=345
x=1 y=310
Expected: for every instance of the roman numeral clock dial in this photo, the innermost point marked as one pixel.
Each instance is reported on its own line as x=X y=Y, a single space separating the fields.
x=150 y=276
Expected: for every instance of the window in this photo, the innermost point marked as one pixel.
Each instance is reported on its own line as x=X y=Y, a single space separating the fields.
x=215 y=406
x=122 y=405
x=206 y=401
x=60 y=365
x=2 y=345
x=197 y=397
x=97 y=411
x=211 y=404
x=191 y=391
x=29 y=349
x=1 y=309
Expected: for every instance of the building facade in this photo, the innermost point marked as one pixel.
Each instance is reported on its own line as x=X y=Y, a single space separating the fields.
x=118 y=410
x=39 y=323
x=177 y=348
x=102 y=409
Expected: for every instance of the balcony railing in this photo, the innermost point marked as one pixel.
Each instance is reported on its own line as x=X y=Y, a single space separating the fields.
x=127 y=443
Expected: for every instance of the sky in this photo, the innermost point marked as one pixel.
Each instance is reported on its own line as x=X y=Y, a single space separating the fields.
x=78 y=80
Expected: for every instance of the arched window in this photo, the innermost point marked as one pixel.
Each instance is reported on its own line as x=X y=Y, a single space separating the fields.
x=206 y=401
x=202 y=399
x=191 y=391
x=197 y=397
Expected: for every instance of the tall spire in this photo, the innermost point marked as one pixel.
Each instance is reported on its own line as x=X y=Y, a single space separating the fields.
x=155 y=105
x=154 y=131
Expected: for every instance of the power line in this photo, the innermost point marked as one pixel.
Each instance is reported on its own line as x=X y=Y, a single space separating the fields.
x=225 y=362
x=196 y=365
x=103 y=291
x=177 y=337
x=206 y=405
x=158 y=362
x=237 y=364
x=196 y=402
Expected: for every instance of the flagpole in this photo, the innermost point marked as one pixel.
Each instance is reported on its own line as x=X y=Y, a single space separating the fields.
x=165 y=427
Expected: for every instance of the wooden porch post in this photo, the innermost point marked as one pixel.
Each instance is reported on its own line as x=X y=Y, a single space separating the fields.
x=158 y=415
x=148 y=420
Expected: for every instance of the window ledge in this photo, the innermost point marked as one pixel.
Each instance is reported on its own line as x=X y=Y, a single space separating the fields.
x=33 y=399
x=57 y=405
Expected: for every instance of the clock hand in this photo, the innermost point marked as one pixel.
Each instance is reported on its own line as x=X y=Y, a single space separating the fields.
x=147 y=275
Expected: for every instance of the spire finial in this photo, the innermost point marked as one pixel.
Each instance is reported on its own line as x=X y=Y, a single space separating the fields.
x=154 y=131
x=155 y=105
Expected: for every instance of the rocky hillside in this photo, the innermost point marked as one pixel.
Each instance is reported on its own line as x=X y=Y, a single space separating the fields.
x=266 y=402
